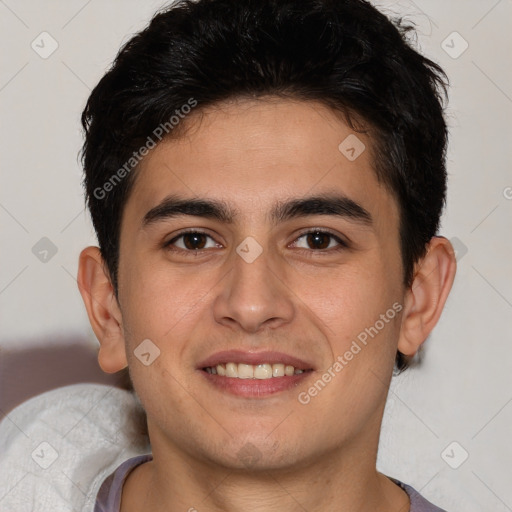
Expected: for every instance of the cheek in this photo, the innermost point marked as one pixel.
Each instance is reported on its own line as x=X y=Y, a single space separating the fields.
x=360 y=309
x=157 y=300
x=162 y=307
x=350 y=299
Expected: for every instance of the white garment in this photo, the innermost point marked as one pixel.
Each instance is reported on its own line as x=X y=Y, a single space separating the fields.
x=57 y=448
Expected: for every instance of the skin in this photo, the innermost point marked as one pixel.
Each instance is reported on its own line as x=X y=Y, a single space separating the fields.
x=295 y=298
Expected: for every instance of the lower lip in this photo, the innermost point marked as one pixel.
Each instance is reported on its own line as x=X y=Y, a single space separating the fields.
x=256 y=388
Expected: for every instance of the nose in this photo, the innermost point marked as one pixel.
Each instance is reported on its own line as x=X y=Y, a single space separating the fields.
x=254 y=296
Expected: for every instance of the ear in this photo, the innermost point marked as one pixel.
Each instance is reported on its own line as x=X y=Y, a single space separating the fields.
x=103 y=309
x=426 y=298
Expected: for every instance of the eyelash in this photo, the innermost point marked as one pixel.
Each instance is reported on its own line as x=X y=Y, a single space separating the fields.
x=342 y=245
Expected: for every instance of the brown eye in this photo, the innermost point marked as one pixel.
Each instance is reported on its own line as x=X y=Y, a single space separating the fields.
x=192 y=241
x=319 y=240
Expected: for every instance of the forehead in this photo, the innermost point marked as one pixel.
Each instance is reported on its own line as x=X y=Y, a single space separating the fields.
x=254 y=153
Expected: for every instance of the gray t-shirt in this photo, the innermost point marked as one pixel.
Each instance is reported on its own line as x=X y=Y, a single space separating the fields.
x=109 y=495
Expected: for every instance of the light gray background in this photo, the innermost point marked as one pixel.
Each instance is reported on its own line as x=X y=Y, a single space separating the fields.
x=463 y=391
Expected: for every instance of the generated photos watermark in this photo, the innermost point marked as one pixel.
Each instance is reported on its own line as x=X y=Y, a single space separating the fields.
x=152 y=140
x=341 y=361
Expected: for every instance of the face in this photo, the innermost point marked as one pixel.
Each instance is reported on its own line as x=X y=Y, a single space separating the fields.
x=255 y=246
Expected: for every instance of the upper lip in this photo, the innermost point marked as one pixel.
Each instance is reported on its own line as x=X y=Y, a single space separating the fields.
x=254 y=358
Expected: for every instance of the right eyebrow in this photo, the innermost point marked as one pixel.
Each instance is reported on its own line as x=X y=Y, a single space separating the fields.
x=173 y=206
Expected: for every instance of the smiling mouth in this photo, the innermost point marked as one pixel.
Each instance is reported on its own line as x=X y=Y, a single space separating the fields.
x=249 y=371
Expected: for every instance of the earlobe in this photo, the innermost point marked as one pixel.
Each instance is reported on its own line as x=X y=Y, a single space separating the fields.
x=103 y=309
x=427 y=296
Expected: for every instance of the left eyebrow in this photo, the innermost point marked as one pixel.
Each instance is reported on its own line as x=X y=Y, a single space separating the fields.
x=335 y=205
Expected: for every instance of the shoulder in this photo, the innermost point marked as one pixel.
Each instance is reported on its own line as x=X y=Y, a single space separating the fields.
x=418 y=502
x=57 y=448
x=109 y=495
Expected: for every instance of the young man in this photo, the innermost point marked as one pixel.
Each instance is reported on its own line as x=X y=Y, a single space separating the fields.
x=266 y=180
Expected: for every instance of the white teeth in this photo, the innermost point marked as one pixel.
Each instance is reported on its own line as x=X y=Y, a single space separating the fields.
x=248 y=371
x=278 y=370
x=231 y=370
x=263 y=371
x=245 y=371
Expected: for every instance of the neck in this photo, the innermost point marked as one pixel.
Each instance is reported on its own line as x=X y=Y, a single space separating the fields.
x=343 y=479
